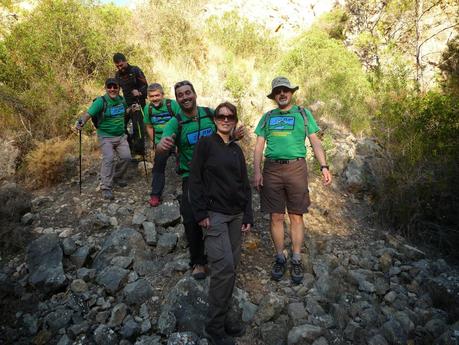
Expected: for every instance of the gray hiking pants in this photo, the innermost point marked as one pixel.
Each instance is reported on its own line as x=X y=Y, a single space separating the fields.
x=108 y=171
x=223 y=246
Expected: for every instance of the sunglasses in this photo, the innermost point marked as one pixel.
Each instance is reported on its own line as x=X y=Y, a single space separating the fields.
x=112 y=87
x=229 y=118
x=283 y=89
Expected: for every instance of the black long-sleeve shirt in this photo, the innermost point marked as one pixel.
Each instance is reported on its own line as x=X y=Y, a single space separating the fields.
x=218 y=180
x=133 y=78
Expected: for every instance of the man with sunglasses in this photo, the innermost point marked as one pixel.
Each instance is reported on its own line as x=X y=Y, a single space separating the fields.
x=134 y=85
x=107 y=113
x=284 y=181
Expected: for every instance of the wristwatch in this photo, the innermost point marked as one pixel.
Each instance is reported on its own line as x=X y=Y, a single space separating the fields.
x=322 y=167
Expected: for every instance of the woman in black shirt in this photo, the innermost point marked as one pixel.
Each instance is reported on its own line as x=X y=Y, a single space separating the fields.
x=221 y=199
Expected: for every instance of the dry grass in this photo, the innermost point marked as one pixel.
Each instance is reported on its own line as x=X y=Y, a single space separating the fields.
x=56 y=160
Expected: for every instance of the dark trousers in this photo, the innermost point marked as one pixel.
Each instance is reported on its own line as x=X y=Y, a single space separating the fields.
x=223 y=247
x=136 y=139
x=158 y=177
x=193 y=231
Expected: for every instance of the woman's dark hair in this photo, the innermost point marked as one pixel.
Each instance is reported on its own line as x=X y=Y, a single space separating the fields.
x=229 y=106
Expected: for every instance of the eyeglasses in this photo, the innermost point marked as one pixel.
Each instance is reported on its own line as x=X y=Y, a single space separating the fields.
x=283 y=89
x=112 y=87
x=229 y=118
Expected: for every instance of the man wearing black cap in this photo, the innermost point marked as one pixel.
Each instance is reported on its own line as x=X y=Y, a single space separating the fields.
x=284 y=181
x=107 y=113
x=134 y=86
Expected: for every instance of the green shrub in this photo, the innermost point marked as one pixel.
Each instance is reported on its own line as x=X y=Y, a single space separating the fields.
x=50 y=55
x=419 y=194
x=325 y=70
x=241 y=37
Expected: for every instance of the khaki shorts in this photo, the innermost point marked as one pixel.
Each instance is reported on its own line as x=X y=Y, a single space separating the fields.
x=285 y=185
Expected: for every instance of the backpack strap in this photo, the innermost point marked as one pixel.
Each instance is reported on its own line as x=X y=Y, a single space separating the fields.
x=266 y=120
x=305 y=119
x=169 y=107
x=96 y=120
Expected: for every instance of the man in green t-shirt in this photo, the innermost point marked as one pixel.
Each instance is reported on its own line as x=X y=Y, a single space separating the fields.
x=156 y=114
x=108 y=113
x=184 y=130
x=284 y=181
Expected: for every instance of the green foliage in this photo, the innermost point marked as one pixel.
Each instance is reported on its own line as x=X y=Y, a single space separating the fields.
x=241 y=37
x=334 y=23
x=52 y=53
x=449 y=67
x=171 y=33
x=327 y=71
x=420 y=193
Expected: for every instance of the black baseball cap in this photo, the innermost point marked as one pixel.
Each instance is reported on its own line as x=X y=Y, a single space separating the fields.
x=111 y=81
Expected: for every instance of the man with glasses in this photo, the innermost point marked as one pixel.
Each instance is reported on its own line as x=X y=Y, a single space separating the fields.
x=184 y=130
x=107 y=113
x=134 y=86
x=284 y=181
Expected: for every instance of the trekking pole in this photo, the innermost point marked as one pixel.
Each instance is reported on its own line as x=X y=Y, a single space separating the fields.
x=143 y=153
x=143 y=116
x=80 y=161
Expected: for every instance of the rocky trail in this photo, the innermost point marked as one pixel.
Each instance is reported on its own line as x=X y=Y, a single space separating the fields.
x=100 y=272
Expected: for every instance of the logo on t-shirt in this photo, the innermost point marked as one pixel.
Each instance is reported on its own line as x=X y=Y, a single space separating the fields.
x=160 y=118
x=193 y=137
x=281 y=123
x=117 y=110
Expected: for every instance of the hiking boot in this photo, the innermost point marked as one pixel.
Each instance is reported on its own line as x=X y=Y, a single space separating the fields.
x=107 y=194
x=234 y=329
x=198 y=272
x=154 y=201
x=218 y=338
x=296 y=271
x=278 y=268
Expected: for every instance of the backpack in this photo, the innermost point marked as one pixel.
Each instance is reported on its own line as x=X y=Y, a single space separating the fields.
x=302 y=112
x=168 y=105
x=96 y=120
x=181 y=122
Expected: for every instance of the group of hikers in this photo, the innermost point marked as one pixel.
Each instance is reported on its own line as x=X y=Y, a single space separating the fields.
x=216 y=202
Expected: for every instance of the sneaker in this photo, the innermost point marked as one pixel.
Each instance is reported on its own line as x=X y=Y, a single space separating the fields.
x=154 y=201
x=107 y=194
x=278 y=269
x=234 y=329
x=217 y=338
x=296 y=271
x=199 y=272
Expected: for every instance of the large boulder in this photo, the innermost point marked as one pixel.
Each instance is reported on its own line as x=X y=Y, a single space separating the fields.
x=44 y=260
x=14 y=202
x=124 y=242
x=166 y=214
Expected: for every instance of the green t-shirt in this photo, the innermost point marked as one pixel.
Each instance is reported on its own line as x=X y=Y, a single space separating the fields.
x=284 y=133
x=189 y=136
x=159 y=116
x=112 y=124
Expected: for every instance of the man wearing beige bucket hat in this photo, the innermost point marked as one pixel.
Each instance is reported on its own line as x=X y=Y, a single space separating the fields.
x=284 y=180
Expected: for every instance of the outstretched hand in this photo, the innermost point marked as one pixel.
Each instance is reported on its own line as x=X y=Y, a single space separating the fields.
x=166 y=143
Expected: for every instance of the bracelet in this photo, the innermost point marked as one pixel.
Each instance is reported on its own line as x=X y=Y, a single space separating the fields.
x=322 y=167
